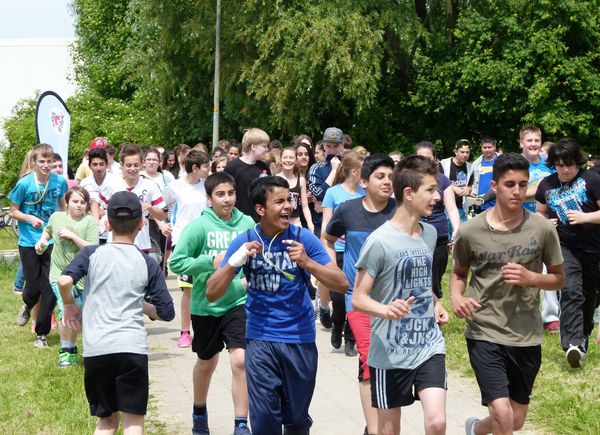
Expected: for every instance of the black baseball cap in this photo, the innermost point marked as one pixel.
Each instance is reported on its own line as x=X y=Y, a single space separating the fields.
x=124 y=206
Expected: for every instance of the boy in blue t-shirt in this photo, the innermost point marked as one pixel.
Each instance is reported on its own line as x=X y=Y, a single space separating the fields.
x=32 y=201
x=393 y=285
x=281 y=355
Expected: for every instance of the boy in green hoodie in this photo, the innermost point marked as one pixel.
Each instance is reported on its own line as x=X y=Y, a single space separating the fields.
x=222 y=323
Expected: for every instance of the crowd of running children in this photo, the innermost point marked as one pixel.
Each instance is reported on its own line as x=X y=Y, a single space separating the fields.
x=255 y=230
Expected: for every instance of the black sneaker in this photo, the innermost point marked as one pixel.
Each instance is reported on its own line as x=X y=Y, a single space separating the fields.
x=350 y=348
x=574 y=356
x=325 y=317
x=336 y=336
x=200 y=425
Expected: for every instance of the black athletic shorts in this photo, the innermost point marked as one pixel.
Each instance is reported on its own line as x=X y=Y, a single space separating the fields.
x=394 y=388
x=504 y=371
x=116 y=382
x=212 y=334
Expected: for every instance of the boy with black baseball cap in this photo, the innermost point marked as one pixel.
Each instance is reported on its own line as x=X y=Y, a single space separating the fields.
x=115 y=352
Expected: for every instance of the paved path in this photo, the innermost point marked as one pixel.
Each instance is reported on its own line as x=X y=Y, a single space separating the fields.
x=335 y=406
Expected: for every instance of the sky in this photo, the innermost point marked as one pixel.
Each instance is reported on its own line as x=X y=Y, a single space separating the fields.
x=35 y=36
x=36 y=19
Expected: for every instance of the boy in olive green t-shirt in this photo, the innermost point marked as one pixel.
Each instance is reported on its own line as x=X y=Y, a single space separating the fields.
x=505 y=249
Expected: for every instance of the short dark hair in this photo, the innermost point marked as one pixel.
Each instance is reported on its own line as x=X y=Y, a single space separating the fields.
x=98 y=153
x=488 y=139
x=131 y=149
x=124 y=227
x=215 y=179
x=218 y=149
x=373 y=162
x=195 y=157
x=56 y=157
x=275 y=143
x=409 y=172
x=509 y=162
x=262 y=186
x=566 y=151
x=425 y=144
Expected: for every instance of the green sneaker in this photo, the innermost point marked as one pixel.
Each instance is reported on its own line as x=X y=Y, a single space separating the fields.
x=73 y=358
x=64 y=358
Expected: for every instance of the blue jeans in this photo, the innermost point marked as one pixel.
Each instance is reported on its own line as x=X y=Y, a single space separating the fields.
x=463 y=218
x=19 y=283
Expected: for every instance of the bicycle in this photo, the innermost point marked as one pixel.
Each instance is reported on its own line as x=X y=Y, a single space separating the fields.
x=7 y=223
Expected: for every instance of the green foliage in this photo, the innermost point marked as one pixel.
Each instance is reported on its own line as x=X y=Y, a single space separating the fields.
x=514 y=62
x=20 y=130
x=103 y=31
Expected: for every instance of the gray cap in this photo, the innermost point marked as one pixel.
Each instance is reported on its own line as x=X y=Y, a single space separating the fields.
x=333 y=134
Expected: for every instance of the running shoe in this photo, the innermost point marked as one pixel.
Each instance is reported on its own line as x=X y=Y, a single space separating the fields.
x=23 y=316
x=325 y=317
x=474 y=201
x=574 y=356
x=350 y=348
x=242 y=429
x=470 y=425
x=200 y=426
x=64 y=357
x=185 y=339
x=336 y=336
x=41 y=342
x=552 y=327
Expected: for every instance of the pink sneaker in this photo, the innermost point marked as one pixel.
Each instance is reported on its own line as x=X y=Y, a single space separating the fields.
x=185 y=339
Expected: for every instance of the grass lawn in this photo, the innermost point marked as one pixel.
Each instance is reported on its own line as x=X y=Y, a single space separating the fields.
x=36 y=396
x=8 y=240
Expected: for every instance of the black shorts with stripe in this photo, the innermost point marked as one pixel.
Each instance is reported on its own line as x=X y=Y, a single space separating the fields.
x=393 y=388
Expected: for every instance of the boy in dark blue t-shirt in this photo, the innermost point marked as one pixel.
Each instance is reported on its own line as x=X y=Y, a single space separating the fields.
x=281 y=355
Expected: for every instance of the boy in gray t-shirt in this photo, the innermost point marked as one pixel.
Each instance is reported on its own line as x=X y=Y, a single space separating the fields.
x=393 y=285
x=120 y=278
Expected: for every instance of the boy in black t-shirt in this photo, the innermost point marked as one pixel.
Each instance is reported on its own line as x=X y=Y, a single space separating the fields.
x=571 y=199
x=249 y=167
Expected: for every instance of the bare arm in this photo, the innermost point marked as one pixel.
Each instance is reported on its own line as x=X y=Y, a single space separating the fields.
x=544 y=211
x=75 y=238
x=158 y=214
x=217 y=284
x=516 y=274
x=328 y=243
x=17 y=214
x=305 y=209
x=450 y=205
x=42 y=241
x=71 y=311
x=462 y=307
x=363 y=303
x=579 y=217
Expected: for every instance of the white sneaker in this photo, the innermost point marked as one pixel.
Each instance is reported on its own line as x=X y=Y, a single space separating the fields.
x=470 y=425
x=41 y=342
x=574 y=356
x=476 y=201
